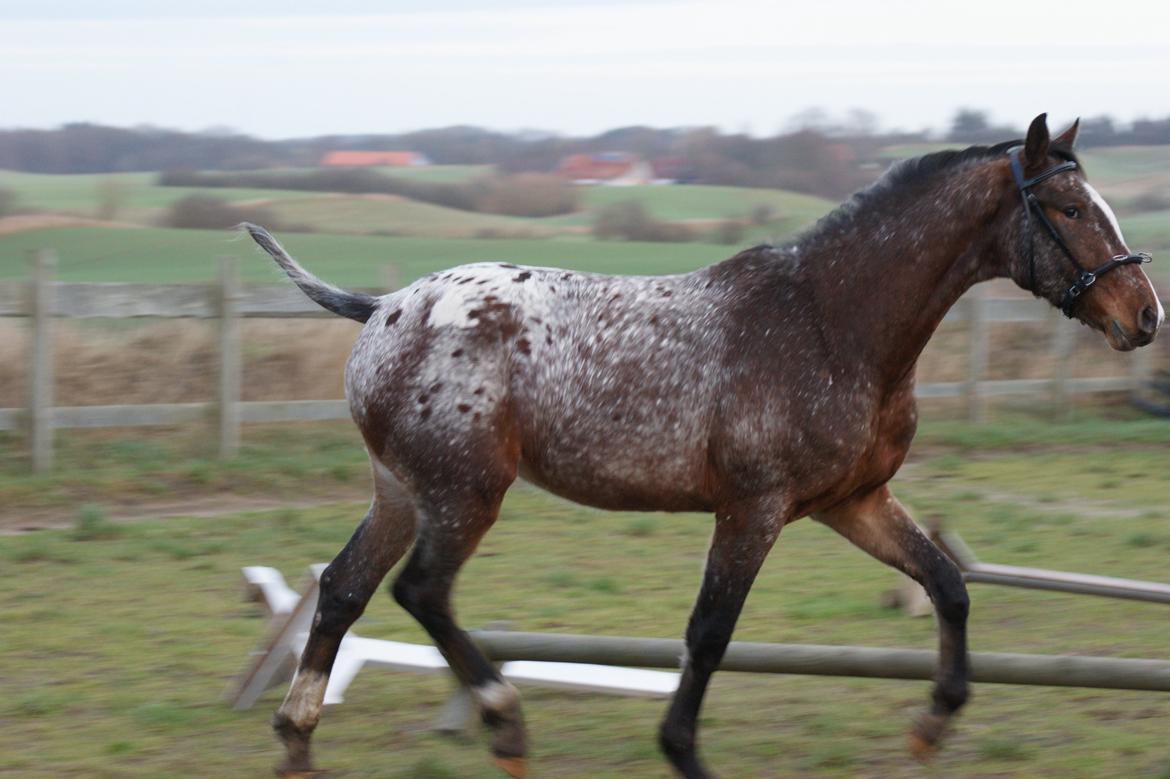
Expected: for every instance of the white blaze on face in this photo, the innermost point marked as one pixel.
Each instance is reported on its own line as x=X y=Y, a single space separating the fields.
x=1105 y=209
x=1095 y=196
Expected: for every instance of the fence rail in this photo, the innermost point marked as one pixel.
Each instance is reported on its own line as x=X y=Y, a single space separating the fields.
x=43 y=300
x=819 y=660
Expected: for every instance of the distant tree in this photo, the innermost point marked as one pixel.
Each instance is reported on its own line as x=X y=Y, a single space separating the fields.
x=1097 y=131
x=972 y=126
x=969 y=124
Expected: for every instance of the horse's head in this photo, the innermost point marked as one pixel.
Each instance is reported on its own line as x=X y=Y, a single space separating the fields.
x=1064 y=243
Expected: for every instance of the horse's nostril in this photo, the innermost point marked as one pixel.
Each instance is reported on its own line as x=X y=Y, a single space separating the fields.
x=1148 y=321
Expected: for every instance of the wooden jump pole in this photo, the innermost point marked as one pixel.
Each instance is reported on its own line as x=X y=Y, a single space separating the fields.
x=1042 y=579
x=810 y=659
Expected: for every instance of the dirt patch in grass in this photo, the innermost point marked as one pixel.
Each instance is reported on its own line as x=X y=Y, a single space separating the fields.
x=23 y=223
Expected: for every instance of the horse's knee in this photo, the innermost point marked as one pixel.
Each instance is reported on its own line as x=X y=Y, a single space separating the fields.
x=339 y=603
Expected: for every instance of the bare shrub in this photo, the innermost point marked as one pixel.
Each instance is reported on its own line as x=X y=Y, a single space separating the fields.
x=730 y=232
x=201 y=212
x=630 y=221
x=761 y=214
x=527 y=194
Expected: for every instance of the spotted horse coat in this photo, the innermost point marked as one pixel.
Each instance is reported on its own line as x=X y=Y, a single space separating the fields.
x=773 y=385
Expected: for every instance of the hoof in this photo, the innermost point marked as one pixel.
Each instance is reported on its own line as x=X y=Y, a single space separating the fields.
x=516 y=767
x=920 y=749
x=298 y=773
x=925 y=735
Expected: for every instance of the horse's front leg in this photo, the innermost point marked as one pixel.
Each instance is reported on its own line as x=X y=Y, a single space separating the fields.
x=880 y=525
x=743 y=536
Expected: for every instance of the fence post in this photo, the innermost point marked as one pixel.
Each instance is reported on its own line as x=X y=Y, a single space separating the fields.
x=40 y=388
x=230 y=368
x=1063 y=340
x=976 y=353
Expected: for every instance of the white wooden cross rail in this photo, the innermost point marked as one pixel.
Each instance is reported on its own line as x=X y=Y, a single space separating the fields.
x=291 y=614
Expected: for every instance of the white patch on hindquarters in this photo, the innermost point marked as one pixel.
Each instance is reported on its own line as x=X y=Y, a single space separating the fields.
x=452 y=308
x=463 y=289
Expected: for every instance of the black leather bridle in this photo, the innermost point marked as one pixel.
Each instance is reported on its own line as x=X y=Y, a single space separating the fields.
x=1085 y=278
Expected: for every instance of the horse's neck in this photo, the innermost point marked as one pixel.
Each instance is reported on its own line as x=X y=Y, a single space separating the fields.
x=904 y=270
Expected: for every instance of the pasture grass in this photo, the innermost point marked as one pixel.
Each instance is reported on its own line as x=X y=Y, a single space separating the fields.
x=81 y=194
x=116 y=647
x=1101 y=459
x=163 y=256
x=398 y=216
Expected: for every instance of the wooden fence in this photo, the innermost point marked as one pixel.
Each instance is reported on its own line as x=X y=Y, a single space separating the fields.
x=43 y=300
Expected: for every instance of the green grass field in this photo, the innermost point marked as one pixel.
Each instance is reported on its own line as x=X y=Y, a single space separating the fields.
x=155 y=255
x=391 y=214
x=141 y=201
x=136 y=193
x=120 y=639
x=348 y=244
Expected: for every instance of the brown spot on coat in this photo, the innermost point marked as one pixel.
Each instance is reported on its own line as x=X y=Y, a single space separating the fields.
x=393 y=317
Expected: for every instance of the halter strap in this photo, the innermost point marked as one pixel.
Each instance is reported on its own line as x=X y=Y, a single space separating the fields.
x=1085 y=278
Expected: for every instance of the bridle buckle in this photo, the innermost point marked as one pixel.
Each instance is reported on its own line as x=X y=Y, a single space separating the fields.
x=1086 y=280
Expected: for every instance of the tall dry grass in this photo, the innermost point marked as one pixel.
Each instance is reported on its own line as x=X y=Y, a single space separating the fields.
x=174 y=361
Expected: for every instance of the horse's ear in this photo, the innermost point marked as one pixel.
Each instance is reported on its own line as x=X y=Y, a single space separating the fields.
x=1068 y=138
x=1036 y=145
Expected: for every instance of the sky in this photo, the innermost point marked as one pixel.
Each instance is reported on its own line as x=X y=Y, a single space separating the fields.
x=287 y=68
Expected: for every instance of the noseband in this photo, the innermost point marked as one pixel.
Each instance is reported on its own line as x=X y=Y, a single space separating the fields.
x=1085 y=278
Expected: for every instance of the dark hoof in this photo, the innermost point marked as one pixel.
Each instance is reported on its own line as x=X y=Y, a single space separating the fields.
x=925 y=736
x=516 y=767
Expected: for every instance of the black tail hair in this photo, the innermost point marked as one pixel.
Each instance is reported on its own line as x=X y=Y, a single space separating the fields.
x=351 y=305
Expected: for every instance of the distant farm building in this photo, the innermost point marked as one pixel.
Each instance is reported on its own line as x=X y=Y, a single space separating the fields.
x=615 y=168
x=373 y=159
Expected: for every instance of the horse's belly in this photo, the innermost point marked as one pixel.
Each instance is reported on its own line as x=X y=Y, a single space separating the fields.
x=629 y=477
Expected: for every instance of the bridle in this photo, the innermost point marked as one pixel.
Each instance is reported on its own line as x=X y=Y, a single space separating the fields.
x=1085 y=278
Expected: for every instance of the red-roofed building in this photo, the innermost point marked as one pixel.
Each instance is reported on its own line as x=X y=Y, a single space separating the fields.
x=373 y=159
x=616 y=168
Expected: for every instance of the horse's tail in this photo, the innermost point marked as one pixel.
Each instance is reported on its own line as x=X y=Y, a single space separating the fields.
x=351 y=305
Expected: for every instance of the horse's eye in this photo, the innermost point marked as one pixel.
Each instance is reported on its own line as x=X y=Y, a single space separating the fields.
x=1072 y=213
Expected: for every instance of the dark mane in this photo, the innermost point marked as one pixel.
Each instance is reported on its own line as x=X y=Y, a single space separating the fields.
x=906 y=175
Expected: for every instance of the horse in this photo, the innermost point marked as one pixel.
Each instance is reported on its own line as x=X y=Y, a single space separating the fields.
x=771 y=386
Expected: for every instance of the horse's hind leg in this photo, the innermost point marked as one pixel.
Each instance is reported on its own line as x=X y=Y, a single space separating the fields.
x=450 y=527
x=878 y=524
x=345 y=589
